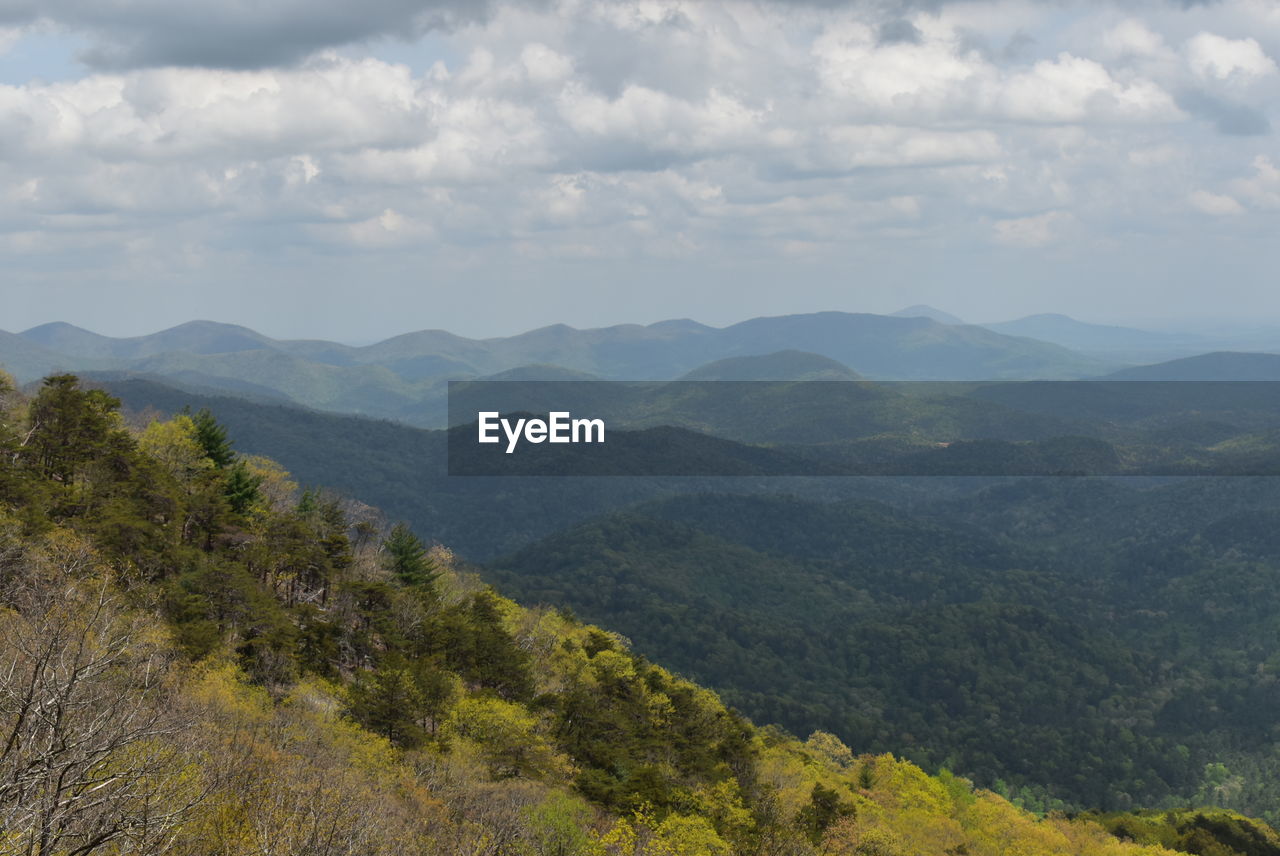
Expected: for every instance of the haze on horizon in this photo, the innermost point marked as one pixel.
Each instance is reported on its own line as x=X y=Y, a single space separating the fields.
x=325 y=170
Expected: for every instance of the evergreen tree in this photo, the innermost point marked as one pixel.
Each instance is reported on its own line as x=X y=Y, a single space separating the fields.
x=70 y=427
x=407 y=558
x=388 y=701
x=213 y=439
x=242 y=488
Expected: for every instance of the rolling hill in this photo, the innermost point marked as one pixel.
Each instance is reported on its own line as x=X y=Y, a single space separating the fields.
x=403 y=378
x=921 y=310
x=1105 y=341
x=1217 y=366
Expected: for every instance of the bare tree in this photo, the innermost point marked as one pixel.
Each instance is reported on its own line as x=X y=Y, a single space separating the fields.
x=88 y=748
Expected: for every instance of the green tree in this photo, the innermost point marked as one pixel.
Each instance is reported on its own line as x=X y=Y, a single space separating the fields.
x=388 y=702
x=70 y=427
x=823 y=809
x=212 y=437
x=242 y=487
x=407 y=558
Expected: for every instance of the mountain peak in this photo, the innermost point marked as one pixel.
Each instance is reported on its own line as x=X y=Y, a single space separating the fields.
x=921 y=310
x=58 y=333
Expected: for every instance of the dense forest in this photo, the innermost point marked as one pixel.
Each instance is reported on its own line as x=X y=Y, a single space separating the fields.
x=1072 y=642
x=199 y=658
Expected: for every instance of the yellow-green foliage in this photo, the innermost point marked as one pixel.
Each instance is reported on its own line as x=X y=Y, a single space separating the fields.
x=174 y=445
x=508 y=737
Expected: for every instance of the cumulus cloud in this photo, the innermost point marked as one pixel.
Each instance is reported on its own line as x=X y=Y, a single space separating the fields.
x=1213 y=56
x=939 y=77
x=698 y=130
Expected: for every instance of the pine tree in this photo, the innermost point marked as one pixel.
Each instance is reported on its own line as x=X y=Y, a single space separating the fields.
x=213 y=439
x=387 y=701
x=242 y=488
x=407 y=558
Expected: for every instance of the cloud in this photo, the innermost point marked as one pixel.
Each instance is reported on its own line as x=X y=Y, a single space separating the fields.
x=234 y=34
x=716 y=132
x=1216 y=204
x=940 y=78
x=1133 y=38
x=1213 y=56
x=1034 y=231
x=1262 y=189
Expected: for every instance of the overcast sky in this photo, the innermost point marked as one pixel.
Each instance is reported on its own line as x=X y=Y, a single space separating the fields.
x=354 y=170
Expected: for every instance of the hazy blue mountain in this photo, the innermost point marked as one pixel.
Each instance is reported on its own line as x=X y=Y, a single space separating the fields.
x=195 y=337
x=888 y=348
x=784 y=365
x=1220 y=365
x=27 y=360
x=872 y=345
x=405 y=377
x=539 y=373
x=70 y=339
x=921 y=310
x=1099 y=339
x=362 y=389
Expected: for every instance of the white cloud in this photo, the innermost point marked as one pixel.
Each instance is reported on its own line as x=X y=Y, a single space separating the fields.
x=1216 y=204
x=1263 y=187
x=1034 y=231
x=1133 y=38
x=1073 y=89
x=1213 y=56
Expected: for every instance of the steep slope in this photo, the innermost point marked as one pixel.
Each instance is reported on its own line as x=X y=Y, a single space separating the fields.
x=877 y=627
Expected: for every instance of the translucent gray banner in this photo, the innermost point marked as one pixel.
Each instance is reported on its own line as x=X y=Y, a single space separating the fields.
x=825 y=428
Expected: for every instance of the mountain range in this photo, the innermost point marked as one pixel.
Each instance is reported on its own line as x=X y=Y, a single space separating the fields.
x=404 y=377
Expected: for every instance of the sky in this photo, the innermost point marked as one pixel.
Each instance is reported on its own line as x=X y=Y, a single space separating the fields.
x=321 y=168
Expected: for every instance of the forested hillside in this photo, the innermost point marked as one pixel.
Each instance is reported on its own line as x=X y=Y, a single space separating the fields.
x=1076 y=642
x=199 y=659
x=1079 y=642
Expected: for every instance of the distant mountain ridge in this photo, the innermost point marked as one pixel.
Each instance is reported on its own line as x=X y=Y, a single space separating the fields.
x=1107 y=341
x=404 y=377
x=784 y=365
x=921 y=310
x=1216 y=366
